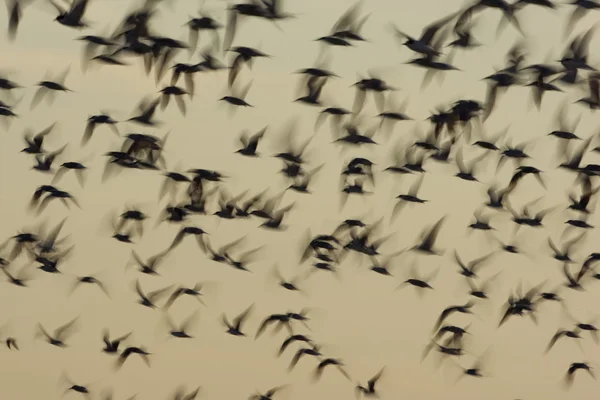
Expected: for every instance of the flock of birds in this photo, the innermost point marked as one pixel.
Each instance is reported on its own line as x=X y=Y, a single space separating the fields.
x=453 y=130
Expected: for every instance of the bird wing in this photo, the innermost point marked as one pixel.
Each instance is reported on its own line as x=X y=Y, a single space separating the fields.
x=178 y=239
x=554 y=338
x=359 y=100
x=39 y=95
x=65 y=329
x=346 y=19
x=15 y=18
x=59 y=173
x=237 y=322
x=157 y=294
x=432 y=235
x=430 y=30
x=77 y=9
x=121 y=338
x=230 y=30
x=60 y=9
x=235 y=68
x=264 y=325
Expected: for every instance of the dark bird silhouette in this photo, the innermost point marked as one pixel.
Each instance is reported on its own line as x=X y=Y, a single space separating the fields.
x=181 y=331
x=148 y=300
x=333 y=362
x=19 y=279
x=44 y=161
x=428 y=239
x=147 y=108
x=279 y=319
x=294 y=338
x=574 y=334
x=203 y=23
x=570 y=375
x=469 y=270
x=235 y=328
x=195 y=292
x=186 y=231
x=564 y=255
x=238 y=97
x=245 y=55
x=85 y=390
x=311 y=351
x=77 y=167
x=423 y=44
x=126 y=353
x=250 y=143
x=477 y=369
x=93 y=121
x=410 y=197
x=35 y=142
x=89 y=280
x=73 y=17
x=372 y=84
x=268 y=395
x=383 y=266
x=464 y=309
x=112 y=346
x=254 y=9
x=48 y=88
x=369 y=390
x=349 y=25
x=60 y=334
x=420 y=283
x=314 y=87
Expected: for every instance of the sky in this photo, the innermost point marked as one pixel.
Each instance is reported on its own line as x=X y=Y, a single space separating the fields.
x=359 y=317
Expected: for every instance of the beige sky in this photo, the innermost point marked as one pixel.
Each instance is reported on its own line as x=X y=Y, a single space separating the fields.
x=359 y=318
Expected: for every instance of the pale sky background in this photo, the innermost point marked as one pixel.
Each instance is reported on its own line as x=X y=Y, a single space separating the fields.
x=360 y=318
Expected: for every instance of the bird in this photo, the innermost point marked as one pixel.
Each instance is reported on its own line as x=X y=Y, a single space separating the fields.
x=235 y=328
x=60 y=334
x=370 y=391
x=73 y=17
x=270 y=190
